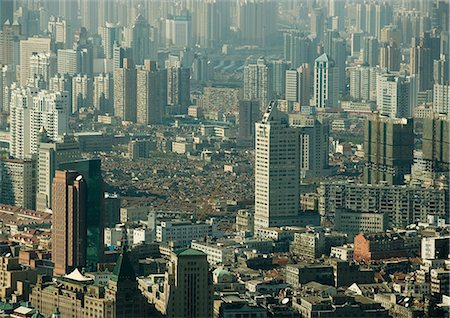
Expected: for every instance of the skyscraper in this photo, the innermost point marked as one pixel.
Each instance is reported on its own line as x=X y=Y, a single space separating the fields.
x=278 y=69
x=81 y=92
x=249 y=114
x=390 y=57
x=69 y=204
x=257 y=20
x=92 y=174
x=298 y=84
x=27 y=48
x=388 y=147
x=69 y=62
x=151 y=93
x=326 y=89
x=51 y=154
x=394 y=96
x=277 y=170
x=9 y=36
x=103 y=97
x=178 y=86
x=258 y=82
x=31 y=109
x=421 y=64
x=42 y=68
x=436 y=143
x=140 y=40
x=125 y=91
x=110 y=34
x=363 y=82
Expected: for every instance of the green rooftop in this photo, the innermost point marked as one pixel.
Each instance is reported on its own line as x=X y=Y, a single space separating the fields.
x=189 y=252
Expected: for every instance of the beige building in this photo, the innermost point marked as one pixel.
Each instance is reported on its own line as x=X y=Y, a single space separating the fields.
x=27 y=48
x=353 y=222
x=14 y=279
x=245 y=221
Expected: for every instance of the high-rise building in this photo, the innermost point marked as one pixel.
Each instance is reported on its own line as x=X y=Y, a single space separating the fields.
x=32 y=109
x=110 y=34
x=187 y=286
x=436 y=142
x=27 y=48
x=42 y=68
x=249 y=114
x=394 y=96
x=178 y=31
x=258 y=82
x=151 y=93
x=178 y=87
x=363 y=82
x=140 y=42
x=7 y=77
x=388 y=147
x=9 y=40
x=103 y=93
x=421 y=64
x=326 y=90
x=125 y=91
x=441 y=71
x=257 y=20
x=441 y=98
x=6 y=11
x=18 y=183
x=314 y=145
x=371 y=51
x=92 y=174
x=69 y=234
x=278 y=69
x=69 y=62
x=81 y=92
x=317 y=22
x=51 y=154
x=298 y=84
x=390 y=57
x=61 y=32
x=297 y=49
x=277 y=170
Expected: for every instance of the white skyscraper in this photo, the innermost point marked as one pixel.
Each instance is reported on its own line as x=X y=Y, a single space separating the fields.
x=441 y=98
x=363 y=83
x=103 y=93
x=258 y=82
x=298 y=86
x=42 y=68
x=31 y=109
x=81 y=92
x=393 y=96
x=27 y=48
x=277 y=170
x=326 y=88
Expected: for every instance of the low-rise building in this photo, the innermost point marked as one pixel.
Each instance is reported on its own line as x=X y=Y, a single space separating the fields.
x=15 y=279
x=370 y=247
x=299 y=274
x=344 y=252
x=216 y=253
x=354 y=222
x=182 y=233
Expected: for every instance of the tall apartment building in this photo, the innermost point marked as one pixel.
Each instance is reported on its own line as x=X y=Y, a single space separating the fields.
x=151 y=93
x=27 y=48
x=402 y=204
x=81 y=92
x=277 y=170
x=69 y=62
x=51 y=154
x=9 y=37
x=297 y=49
x=394 y=96
x=110 y=33
x=436 y=142
x=441 y=98
x=140 y=43
x=257 y=21
x=31 y=109
x=178 y=87
x=42 y=68
x=326 y=89
x=390 y=57
x=69 y=233
x=18 y=183
x=421 y=64
x=258 y=82
x=298 y=82
x=363 y=83
x=103 y=96
x=388 y=147
x=178 y=31
x=314 y=145
x=125 y=91
x=249 y=114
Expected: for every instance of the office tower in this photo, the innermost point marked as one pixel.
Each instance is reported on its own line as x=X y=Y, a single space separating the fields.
x=9 y=39
x=202 y=69
x=357 y=43
x=119 y=54
x=278 y=69
x=51 y=154
x=92 y=174
x=6 y=11
x=388 y=147
x=178 y=31
x=363 y=82
x=7 y=76
x=339 y=55
x=178 y=87
x=436 y=143
x=441 y=98
x=81 y=92
x=140 y=42
x=317 y=22
x=42 y=68
x=61 y=32
x=69 y=11
x=391 y=34
x=125 y=91
x=151 y=93
x=441 y=71
x=110 y=34
x=258 y=82
x=123 y=289
x=421 y=64
x=326 y=89
x=394 y=96
x=18 y=183
x=277 y=170
x=371 y=51
x=298 y=83
x=112 y=209
x=69 y=220
x=257 y=20
x=249 y=114
x=31 y=109
x=89 y=15
x=314 y=145
x=297 y=49
x=188 y=285
x=103 y=93
x=390 y=57
x=27 y=47
x=69 y=62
